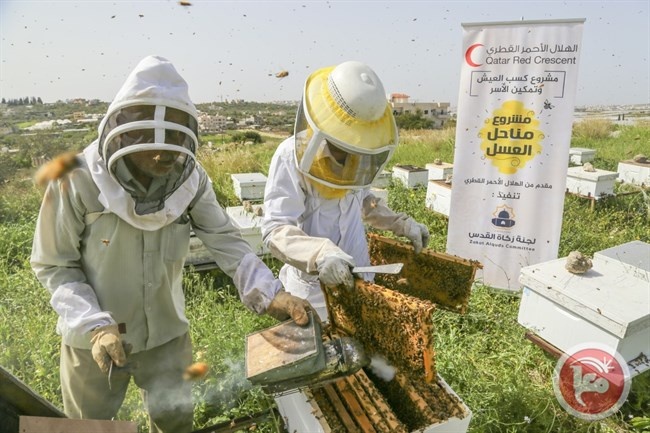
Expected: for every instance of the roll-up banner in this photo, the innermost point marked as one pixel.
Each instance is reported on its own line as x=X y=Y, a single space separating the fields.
x=515 y=113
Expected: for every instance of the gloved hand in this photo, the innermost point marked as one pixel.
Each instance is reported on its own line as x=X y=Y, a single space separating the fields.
x=381 y=217
x=335 y=270
x=107 y=347
x=284 y=305
x=417 y=233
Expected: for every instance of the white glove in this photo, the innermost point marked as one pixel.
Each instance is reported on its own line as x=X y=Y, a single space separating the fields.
x=335 y=270
x=417 y=233
x=378 y=215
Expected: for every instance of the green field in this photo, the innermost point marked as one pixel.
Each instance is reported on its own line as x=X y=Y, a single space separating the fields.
x=483 y=355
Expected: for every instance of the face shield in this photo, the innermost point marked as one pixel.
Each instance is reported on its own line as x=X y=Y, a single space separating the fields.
x=334 y=163
x=149 y=150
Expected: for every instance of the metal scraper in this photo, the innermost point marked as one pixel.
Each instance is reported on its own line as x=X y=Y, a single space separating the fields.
x=393 y=268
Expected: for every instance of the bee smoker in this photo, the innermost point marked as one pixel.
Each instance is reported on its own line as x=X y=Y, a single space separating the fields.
x=287 y=356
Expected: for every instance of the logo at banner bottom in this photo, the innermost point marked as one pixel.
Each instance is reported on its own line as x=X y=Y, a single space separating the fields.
x=591 y=383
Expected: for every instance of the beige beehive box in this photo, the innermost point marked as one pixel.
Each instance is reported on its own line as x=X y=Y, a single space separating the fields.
x=633 y=172
x=393 y=317
x=438 y=198
x=580 y=155
x=598 y=183
x=249 y=186
x=247 y=219
x=440 y=170
x=249 y=222
x=608 y=305
x=410 y=175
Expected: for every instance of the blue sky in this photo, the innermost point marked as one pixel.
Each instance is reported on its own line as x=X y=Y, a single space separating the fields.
x=232 y=50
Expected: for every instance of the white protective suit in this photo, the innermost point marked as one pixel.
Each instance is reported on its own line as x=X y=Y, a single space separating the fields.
x=301 y=228
x=104 y=263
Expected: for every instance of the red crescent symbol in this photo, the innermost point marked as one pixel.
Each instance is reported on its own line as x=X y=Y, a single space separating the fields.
x=468 y=55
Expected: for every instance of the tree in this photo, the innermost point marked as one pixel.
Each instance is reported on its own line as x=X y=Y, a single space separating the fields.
x=413 y=121
x=3 y=101
x=243 y=137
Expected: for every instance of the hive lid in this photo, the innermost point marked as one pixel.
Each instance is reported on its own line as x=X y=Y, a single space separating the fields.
x=248 y=178
x=283 y=352
x=441 y=165
x=581 y=151
x=633 y=255
x=608 y=295
x=16 y=397
x=247 y=222
x=595 y=176
x=409 y=168
x=633 y=162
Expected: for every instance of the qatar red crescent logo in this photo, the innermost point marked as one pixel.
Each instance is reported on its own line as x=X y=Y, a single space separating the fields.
x=468 y=55
x=591 y=383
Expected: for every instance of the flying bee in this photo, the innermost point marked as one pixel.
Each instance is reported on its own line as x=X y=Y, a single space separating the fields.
x=56 y=168
x=184 y=3
x=196 y=371
x=282 y=74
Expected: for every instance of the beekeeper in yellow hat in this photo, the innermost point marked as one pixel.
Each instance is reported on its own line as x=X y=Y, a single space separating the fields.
x=317 y=196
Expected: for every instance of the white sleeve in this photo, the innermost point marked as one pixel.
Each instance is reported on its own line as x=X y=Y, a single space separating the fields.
x=284 y=207
x=56 y=257
x=254 y=280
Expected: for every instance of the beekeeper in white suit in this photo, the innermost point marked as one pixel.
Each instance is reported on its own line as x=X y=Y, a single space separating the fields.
x=110 y=244
x=317 y=195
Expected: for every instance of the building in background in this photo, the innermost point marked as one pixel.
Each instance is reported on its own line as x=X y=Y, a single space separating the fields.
x=438 y=112
x=209 y=123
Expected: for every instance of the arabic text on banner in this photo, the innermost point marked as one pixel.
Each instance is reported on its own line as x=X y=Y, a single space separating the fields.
x=515 y=112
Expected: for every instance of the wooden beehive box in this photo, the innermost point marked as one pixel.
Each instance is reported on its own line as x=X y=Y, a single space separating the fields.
x=249 y=223
x=608 y=305
x=637 y=173
x=249 y=186
x=580 y=155
x=438 y=197
x=439 y=171
x=362 y=403
x=410 y=175
x=598 y=183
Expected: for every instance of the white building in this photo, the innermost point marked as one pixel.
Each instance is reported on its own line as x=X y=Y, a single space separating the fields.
x=438 y=112
x=208 y=123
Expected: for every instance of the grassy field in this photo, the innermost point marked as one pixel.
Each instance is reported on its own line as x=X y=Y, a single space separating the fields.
x=502 y=377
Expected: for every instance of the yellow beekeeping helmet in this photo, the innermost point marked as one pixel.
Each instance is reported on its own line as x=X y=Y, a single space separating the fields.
x=345 y=130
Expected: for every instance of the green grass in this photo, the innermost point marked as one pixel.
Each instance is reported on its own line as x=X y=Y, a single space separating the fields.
x=483 y=355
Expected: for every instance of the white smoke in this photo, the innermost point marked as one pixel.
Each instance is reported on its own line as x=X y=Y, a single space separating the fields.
x=380 y=366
